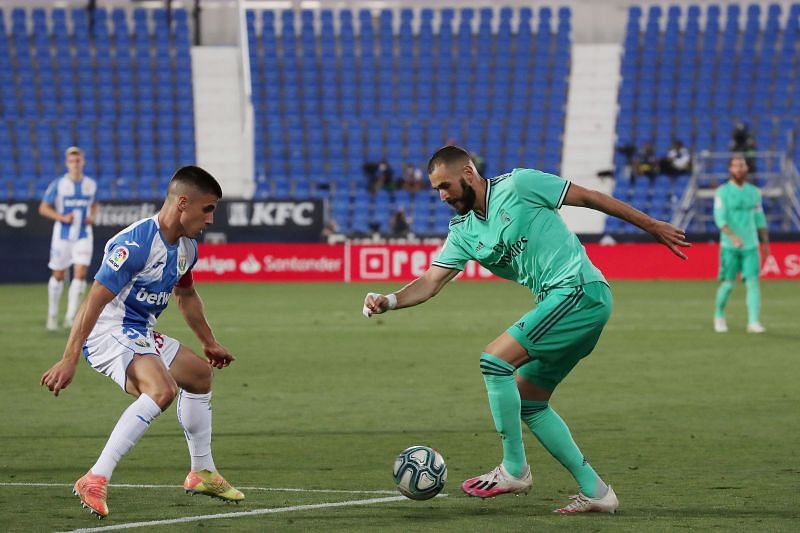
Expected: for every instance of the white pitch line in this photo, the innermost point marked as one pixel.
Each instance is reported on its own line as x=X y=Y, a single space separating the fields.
x=254 y=512
x=268 y=489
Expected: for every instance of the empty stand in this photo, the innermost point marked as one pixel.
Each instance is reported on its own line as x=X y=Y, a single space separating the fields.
x=118 y=84
x=691 y=81
x=334 y=89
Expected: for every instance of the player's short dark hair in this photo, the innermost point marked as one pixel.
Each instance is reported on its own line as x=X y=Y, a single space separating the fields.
x=738 y=155
x=197 y=178
x=447 y=155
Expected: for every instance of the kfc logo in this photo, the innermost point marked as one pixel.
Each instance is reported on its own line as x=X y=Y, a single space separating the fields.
x=13 y=214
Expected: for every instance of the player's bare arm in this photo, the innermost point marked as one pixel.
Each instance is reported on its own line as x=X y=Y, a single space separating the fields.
x=664 y=232
x=418 y=291
x=92 y=214
x=191 y=307
x=60 y=374
x=48 y=211
x=763 y=238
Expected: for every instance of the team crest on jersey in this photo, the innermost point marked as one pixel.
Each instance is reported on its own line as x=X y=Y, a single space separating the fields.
x=117 y=258
x=181 y=264
x=505 y=217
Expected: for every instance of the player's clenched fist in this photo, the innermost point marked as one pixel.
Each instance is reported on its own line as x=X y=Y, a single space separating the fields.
x=375 y=304
x=218 y=356
x=59 y=376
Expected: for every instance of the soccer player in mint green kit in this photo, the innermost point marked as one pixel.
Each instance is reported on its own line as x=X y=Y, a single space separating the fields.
x=510 y=224
x=739 y=216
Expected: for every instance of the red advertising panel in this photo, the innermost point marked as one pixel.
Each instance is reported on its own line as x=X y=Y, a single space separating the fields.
x=404 y=262
x=654 y=261
x=635 y=261
x=270 y=262
x=400 y=262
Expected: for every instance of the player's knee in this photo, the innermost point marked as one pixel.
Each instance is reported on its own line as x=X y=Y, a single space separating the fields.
x=58 y=275
x=492 y=365
x=164 y=395
x=204 y=380
x=201 y=381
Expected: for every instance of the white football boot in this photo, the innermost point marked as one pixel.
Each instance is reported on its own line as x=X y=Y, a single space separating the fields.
x=498 y=482
x=584 y=504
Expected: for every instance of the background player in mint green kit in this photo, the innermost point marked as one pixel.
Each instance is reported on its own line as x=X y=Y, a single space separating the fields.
x=510 y=224
x=739 y=216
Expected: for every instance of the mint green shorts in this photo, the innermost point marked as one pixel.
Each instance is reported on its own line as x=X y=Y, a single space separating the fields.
x=563 y=329
x=732 y=261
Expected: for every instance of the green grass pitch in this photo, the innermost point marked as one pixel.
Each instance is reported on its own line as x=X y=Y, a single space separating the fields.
x=694 y=430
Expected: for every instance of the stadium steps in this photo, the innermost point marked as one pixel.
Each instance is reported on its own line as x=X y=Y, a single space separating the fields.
x=589 y=130
x=222 y=142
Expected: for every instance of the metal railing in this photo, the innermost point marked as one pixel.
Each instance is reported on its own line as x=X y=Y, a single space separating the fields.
x=775 y=173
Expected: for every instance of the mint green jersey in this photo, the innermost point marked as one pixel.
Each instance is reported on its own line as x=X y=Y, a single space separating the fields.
x=740 y=209
x=523 y=238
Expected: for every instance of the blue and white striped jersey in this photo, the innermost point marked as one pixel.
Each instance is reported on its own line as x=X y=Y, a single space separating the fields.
x=76 y=197
x=141 y=268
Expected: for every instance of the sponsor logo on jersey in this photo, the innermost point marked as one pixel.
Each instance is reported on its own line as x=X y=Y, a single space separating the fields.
x=132 y=243
x=509 y=251
x=153 y=298
x=142 y=343
x=117 y=258
x=76 y=201
x=505 y=217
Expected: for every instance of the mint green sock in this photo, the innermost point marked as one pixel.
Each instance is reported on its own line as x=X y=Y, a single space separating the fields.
x=554 y=435
x=753 y=300
x=723 y=292
x=505 y=404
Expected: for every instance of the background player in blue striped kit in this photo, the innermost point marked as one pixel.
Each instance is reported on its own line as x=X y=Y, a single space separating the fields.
x=70 y=202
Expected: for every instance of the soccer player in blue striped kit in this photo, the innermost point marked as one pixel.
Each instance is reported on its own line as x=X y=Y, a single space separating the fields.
x=70 y=202
x=143 y=266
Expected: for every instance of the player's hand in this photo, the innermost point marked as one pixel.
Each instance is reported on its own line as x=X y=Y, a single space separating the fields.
x=736 y=241
x=89 y=220
x=68 y=218
x=671 y=237
x=765 y=251
x=59 y=376
x=375 y=304
x=218 y=356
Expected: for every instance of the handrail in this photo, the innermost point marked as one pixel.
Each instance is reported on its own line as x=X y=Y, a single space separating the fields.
x=782 y=183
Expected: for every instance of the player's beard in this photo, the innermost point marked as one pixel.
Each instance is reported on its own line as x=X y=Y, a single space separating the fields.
x=466 y=203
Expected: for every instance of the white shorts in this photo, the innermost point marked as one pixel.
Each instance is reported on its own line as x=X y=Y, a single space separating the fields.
x=112 y=353
x=65 y=253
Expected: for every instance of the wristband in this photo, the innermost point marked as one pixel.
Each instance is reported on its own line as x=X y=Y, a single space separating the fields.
x=392 y=300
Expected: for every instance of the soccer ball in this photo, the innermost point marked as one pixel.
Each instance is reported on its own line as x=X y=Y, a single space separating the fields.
x=419 y=472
